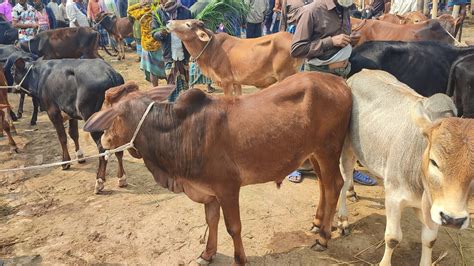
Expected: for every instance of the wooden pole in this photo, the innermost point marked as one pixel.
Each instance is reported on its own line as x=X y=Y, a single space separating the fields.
x=469 y=12
x=434 y=11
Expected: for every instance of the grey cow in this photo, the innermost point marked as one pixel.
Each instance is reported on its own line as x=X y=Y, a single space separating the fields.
x=391 y=127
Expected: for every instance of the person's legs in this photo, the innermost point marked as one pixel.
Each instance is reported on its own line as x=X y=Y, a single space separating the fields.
x=254 y=30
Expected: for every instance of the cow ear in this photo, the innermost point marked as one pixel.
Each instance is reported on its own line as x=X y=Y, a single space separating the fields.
x=202 y=35
x=114 y=94
x=421 y=118
x=160 y=93
x=20 y=64
x=101 y=120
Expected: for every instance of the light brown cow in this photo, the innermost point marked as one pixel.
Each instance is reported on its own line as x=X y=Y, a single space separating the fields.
x=209 y=147
x=376 y=30
x=232 y=62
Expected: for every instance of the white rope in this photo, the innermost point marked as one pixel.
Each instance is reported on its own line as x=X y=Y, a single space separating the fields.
x=105 y=154
x=19 y=87
x=457 y=43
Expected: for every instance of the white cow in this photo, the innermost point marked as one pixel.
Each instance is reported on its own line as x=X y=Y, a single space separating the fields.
x=426 y=159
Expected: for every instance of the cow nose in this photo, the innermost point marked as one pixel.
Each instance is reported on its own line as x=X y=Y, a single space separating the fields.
x=447 y=220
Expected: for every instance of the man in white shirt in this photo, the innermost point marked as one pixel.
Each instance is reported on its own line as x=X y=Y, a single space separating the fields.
x=77 y=18
x=401 y=7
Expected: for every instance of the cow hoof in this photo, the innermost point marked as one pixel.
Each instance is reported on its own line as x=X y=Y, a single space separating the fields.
x=203 y=261
x=344 y=231
x=318 y=247
x=19 y=115
x=122 y=181
x=33 y=123
x=352 y=196
x=343 y=226
x=99 y=185
x=66 y=166
x=314 y=229
x=13 y=116
x=80 y=156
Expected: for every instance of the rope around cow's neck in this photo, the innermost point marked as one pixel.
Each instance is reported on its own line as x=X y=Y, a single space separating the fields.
x=105 y=154
x=19 y=86
x=457 y=43
x=202 y=51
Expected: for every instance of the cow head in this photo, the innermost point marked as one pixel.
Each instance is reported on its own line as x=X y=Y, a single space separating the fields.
x=121 y=111
x=189 y=29
x=447 y=163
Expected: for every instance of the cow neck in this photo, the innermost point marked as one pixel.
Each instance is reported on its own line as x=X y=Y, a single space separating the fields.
x=25 y=85
x=194 y=59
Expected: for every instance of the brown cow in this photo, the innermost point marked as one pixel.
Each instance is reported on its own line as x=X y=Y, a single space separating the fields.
x=81 y=42
x=209 y=147
x=447 y=21
x=414 y=17
x=232 y=62
x=4 y=121
x=118 y=28
x=376 y=30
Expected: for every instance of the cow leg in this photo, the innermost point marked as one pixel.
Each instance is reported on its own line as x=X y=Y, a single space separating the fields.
x=12 y=114
x=34 y=116
x=318 y=217
x=122 y=178
x=74 y=134
x=347 y=163
x=2 y=123
x=332 y=184
x=20 y=105
x=428 y=239
x=57 y=119
x=4 y=126
x=100 y=178
x=230 y=208
x=213 y=212
x=393 y=231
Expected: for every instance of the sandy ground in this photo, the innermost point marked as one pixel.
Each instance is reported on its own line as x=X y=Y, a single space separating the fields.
x=51 y=216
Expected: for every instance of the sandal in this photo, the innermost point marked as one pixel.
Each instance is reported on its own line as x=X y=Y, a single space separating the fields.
x=295 y=177
x=363 y=179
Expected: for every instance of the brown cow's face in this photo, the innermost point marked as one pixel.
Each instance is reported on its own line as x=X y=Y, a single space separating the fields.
x=188 y=30
x=121 y=111
x=448 y=169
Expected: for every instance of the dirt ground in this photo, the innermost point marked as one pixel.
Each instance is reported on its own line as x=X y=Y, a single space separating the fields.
x=51 y=216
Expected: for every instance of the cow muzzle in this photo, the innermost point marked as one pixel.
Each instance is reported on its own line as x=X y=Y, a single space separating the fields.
x=458 y=220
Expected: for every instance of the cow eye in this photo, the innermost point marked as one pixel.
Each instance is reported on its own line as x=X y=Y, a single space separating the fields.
x=434 y=163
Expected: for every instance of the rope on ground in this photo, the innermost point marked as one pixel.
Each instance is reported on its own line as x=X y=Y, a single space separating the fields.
x=105 y=154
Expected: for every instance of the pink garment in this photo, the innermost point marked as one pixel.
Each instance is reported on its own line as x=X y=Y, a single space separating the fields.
x=6 y=10
x=43 y=20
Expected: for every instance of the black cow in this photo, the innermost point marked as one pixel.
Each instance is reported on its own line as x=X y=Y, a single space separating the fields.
x=7 y=51
x=461 y=85
x=76 y=88
x=8 y=34
x=10 y=51
x=424 y=66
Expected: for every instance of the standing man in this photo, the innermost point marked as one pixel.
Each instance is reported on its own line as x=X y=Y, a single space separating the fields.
x=76 y=14
x=323 y=38
x=6 y=10
x=256 y=16
x=24 y=19
x=290 y=13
